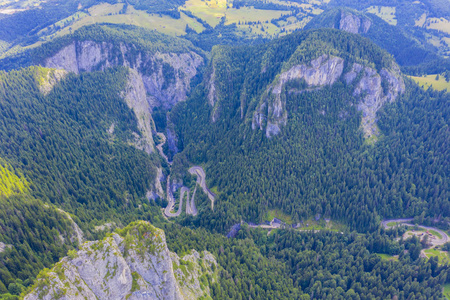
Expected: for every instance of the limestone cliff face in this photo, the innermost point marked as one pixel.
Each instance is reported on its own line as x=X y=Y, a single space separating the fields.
x=352 y=23
x=156 y=80
x=324 y=70
x=132 y=264
x=374 y=89
x=166 y=76
x=136 y=98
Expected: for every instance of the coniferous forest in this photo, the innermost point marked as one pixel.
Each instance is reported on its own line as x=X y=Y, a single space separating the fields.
x=274 y=147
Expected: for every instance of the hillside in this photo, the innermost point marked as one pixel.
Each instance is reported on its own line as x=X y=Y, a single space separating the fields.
x=407 y=51
x=133 y=263
x=306 y=130
x=278 y=165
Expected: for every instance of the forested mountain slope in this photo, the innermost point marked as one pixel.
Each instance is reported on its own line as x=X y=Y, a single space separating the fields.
x=316 y=123
x=407 y=51
x=74 y=146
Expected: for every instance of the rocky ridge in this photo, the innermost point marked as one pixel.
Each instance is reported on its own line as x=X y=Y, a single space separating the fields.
x=133 y=263
x=166 y=76
x=374 y=89
x=324 y=70
x=155 y=80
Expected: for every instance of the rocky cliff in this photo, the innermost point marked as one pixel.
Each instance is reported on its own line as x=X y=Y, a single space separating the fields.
x=166 y=76
x=133 y=263
x=374 y=89
x=324 y=70
x=353 y=23
x=155 y=80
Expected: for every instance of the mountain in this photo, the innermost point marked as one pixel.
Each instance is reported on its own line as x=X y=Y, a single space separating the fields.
x=310 y=165
x=319 y=123
x=406 y=50
x=132 y=263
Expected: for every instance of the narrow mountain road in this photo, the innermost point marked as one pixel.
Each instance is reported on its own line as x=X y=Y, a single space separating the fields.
x=201 y=180
x=386 y=222
x=405 y=222
x=171 y=199
x=191 y=209
x=160 y=145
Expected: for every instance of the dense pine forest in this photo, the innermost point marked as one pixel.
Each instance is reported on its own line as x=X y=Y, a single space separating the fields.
x=320 y=164
x=71 y=170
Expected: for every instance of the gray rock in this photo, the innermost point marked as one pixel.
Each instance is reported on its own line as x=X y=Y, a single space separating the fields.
x=374 y=97
x=149 y=83
x=324 y=70
x=136 y=265
x=353 y=23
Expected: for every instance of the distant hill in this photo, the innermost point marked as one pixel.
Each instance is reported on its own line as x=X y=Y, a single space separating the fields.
x=406 y=50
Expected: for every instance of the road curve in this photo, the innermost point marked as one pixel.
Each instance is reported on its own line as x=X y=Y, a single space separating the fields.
x=201 y=180
x=171 y=199
x=438 y=242
x=160 y=145
x=190 y=201
x=385 y=222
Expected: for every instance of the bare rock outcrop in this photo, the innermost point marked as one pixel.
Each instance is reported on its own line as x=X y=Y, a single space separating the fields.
x=166 y=76
x=324 y=70
x=155 y=80
x=136 y=98
x=134 y=263
x=354 y=24
x=4 y=246
x=376 y=89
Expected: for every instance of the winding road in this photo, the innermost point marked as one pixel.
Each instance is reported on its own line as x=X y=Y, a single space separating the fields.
x=190 y=201
x=201 y=180
x=160 y=145
x=434 y=242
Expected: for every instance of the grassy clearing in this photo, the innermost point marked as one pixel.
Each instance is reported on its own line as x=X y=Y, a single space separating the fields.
x=440 y=24
x=391 y=224
x=249 y=14
x=446 y=291
x=387 y=13
x=442 y=255
x=107 y=14
x=430 y=81
x=386 y=256
x=276 y=213
x=209 y=11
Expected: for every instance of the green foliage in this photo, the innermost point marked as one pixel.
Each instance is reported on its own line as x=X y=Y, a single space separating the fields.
x=322 y=265
x=140 y=40
x=33 y=229
x=319 y=163
x=10 y=183
x=61 y=145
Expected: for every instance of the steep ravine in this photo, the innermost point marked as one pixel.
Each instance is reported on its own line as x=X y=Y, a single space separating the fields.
x=133 y=263
x=155 y=79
